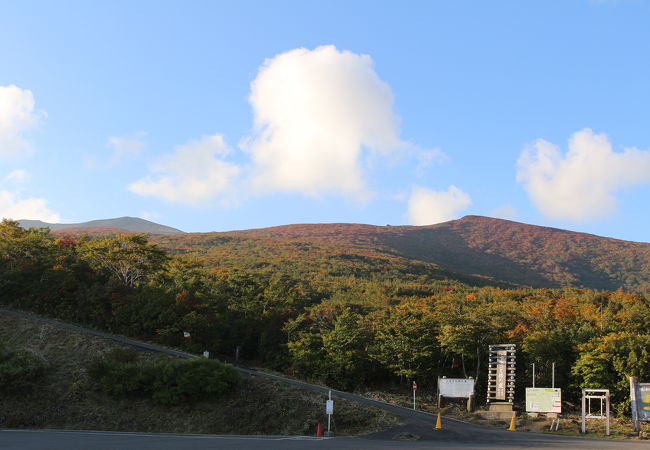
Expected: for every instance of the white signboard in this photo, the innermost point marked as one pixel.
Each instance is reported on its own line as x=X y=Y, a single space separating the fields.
x=456 y=387
x=329 y=407
x=544 y=400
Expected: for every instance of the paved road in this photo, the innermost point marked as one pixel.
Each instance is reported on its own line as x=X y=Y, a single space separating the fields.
x=97 y=440
x=455 y=433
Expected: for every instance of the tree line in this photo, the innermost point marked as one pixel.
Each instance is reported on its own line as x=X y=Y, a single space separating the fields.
x=349 y=331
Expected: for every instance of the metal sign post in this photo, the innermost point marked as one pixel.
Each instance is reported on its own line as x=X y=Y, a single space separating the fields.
x=533 y=375
x=415 y=388
x=553 y=376
x=329 y=410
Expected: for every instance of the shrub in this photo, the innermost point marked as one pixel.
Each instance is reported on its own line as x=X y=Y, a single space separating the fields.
x=122 y=354
x=19 y=369
x=193 y=379
x=167 y=382
x=120 y=373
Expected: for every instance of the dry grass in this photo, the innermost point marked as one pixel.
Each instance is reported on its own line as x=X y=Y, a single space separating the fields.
x=64 y=397
x=570 y=425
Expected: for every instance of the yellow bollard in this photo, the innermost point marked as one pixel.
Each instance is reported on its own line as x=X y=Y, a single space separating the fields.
x=513 y=425
x=438 y=422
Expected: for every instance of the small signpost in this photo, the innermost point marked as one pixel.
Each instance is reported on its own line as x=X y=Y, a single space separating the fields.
x=456 y=388
x=329 y=410
x=415 y=388
x=206 y=354
x=640 y=402
x=595 y=394
x=186 y=334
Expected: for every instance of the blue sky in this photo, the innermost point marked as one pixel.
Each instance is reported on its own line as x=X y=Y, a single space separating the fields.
x=212 y=116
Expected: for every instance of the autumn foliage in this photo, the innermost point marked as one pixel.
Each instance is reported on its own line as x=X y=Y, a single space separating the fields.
x=350 y=317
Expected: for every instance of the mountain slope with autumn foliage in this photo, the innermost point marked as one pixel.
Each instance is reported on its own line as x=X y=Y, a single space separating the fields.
x=528 y=254
x=474 y=250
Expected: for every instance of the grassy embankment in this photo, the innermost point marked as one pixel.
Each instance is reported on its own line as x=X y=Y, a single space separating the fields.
x=65 y=398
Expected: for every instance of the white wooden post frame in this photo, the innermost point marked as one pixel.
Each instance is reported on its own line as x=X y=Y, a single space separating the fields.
x=595 y=394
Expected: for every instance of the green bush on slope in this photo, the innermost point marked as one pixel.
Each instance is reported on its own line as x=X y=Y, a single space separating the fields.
x=167 y=382
x=19 y=369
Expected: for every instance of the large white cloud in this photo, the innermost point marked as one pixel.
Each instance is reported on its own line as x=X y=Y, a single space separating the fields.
x=17 y=115
x=581 y=184
x=193 y=174
x=315 y=113
x=13 y=207
x=428 y=207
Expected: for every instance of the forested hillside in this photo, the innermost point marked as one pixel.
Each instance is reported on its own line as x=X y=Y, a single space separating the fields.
x=474 y=250
x=343 y=326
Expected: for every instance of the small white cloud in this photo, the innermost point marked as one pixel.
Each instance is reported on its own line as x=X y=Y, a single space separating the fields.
x=18 y=176
x=126 y=147
x=17 y=116
x=193 y=174
x=507 y=212
x=427 y=158
x=581 y=184
x=91 y=162
x=13 y=207
x=315 y=113
x=148 y=215
x=428 y=207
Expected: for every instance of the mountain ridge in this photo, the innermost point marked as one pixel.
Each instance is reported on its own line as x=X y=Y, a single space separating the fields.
x=492 y=249
x=130 y=224
x=474 y=249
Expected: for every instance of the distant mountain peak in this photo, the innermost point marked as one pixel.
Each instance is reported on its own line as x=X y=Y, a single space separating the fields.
x=130 y=224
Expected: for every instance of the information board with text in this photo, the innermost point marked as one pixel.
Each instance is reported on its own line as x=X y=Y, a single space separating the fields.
x=544 y=400
x=456 y=387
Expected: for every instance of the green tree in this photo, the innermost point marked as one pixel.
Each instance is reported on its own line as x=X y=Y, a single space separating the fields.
x=607 y=362
x=346 y=346
x=26 y=259
x=129 y=257
x=405 y=341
